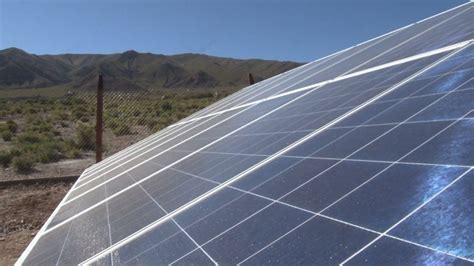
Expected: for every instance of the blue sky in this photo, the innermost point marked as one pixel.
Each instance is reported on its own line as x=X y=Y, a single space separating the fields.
x=298 y=30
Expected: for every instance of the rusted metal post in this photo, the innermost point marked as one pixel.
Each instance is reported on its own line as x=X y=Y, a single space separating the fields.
x=251 y=80
x=99 y=121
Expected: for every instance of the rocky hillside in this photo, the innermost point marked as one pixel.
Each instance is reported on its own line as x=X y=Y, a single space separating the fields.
x=131 y=70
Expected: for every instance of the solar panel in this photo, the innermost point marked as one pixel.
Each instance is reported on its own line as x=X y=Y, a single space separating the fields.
x=365 y=156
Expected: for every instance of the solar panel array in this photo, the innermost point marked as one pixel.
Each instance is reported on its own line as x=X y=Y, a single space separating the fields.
x=364 y=156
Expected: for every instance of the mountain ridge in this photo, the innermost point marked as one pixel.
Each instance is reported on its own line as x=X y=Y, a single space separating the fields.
x=131 y=69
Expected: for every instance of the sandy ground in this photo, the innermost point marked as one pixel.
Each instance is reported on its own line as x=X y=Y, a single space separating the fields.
x=23 y=210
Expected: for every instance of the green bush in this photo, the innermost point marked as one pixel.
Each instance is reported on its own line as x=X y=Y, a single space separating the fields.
x=29 y=137
x=15 y=152
x=137 y=113
x=166 y=120
x=114 y=113
x=32 y=110
x=166 y=106
x=12 y=126
x=7 y=135
x=59 y=115
x=142 y=120
x=5 y=158
x=85 y=119
x=71 y=149
x=74 y=153
x=86 y=137
x=151 y=123
x=42 y=127
x=122 y=129
x=79 y=111
x=23 y=164
x=47 y=152
x=113 y=124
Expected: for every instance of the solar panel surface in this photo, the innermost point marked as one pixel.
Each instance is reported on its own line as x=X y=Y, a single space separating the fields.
x=363 y=156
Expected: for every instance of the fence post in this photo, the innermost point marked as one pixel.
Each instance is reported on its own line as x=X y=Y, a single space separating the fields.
x=99 y=121
x=251 y=80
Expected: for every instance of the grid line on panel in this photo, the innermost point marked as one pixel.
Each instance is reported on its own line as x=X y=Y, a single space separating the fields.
x=407 y=216
x=63 y=245
x=279 y=238
x=173 y=220
x=418 y=35
x=396 y=124
x=406 y=123
x=108 y=223
x=357 y=73
x=444 y=12
x=347 y=159
x=233 y=179
x=335 y=127
x=390 y=100
x=395 y=101
x=196 y=221
x=380 y=161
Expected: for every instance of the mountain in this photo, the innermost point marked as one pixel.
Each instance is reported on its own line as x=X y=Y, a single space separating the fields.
x=131 y=69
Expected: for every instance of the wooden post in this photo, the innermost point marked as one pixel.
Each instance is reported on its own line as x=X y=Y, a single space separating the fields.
x=251 y=80
x=99 y=121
